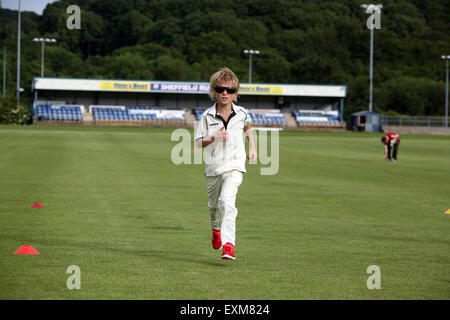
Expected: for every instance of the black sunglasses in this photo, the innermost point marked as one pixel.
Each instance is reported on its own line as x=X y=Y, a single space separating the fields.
x=220 y=89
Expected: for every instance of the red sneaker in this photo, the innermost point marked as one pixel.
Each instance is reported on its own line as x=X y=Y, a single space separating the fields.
x=216 y=239
x=228 y=251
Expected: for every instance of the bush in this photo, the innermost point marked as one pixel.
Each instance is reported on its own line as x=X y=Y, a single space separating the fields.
x=413 y=96
x=11 y=112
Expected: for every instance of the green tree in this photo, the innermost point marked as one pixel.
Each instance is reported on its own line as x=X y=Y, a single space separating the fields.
x=274 y=67
x=11 y=112
x=60 y=62
x=167 y=67
x=127 y=66
x=415 y=96
x=305 y=41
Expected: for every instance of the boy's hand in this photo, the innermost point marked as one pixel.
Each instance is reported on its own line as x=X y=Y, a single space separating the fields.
x=221 y=135
x=252 y=155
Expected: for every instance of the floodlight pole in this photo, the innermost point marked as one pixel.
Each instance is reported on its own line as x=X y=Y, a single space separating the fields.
x=42 y=59
x=367 y=9
x=43 y=41
x=250 y=68
x=446 y=58
x=250 y=53
x=18 y=56
x=4 y=72
x=371 y=72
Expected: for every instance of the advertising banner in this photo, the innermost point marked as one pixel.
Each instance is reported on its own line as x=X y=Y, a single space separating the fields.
x=261 y=89
x=186 y=87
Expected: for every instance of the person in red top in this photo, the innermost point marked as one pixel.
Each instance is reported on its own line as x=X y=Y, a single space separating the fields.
x=391 y=141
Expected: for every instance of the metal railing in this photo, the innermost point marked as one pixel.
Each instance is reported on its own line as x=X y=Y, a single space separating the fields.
x=414 y=121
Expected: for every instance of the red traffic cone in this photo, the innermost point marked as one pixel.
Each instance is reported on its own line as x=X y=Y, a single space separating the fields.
x=26 y=250
x=36 y=205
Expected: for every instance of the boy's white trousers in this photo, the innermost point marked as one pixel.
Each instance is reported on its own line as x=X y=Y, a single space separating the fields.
x=222 y=190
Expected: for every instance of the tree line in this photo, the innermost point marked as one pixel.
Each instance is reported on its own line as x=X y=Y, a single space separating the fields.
x=306 y=42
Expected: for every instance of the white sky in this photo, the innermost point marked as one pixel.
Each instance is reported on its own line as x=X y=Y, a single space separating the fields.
x=37 y=6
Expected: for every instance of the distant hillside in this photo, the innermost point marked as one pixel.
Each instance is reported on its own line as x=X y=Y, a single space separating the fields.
x=320 y=42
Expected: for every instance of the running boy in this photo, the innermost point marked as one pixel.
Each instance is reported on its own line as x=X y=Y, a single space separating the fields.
x=220 y=133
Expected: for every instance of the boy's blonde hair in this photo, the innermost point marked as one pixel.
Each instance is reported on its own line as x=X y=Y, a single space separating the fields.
x=224 y=74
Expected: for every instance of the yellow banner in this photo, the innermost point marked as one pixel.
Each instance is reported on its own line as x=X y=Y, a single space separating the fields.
x=147 y=86
x=125 y=86
x=260 y=89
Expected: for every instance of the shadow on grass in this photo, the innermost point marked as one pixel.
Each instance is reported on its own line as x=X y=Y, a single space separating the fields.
x=185 y=257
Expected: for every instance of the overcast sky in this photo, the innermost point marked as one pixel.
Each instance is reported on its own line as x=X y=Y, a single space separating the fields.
x=37 y=6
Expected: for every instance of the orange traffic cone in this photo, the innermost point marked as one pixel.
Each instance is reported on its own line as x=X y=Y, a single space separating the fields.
x=26 y=250
x=37 y=205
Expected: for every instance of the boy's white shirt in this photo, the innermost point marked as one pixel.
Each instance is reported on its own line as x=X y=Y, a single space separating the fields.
x=221 y=156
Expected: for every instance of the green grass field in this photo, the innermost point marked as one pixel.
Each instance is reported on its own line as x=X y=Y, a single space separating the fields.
x=138 y=226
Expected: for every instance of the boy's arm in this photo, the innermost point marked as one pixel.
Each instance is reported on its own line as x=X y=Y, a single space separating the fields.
x=252 y=155
x=393 y=141
x=221 y=135
x=205 y=141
